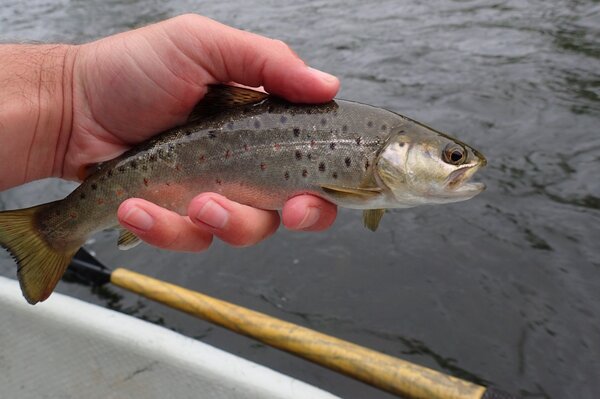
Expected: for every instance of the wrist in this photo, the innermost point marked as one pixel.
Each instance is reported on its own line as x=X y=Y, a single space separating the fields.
x=35 y=111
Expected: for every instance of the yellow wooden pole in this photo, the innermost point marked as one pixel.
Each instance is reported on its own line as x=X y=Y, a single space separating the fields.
x=382 y=371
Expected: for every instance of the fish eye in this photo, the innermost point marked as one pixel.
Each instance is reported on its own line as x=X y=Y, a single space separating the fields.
x=454 y=154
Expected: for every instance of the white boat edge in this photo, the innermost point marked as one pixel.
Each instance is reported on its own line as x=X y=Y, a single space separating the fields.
x=67 y=348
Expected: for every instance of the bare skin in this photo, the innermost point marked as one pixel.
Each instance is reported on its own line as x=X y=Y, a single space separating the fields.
x=64 y=107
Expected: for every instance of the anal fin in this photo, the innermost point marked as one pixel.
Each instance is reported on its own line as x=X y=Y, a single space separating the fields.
x=127 y=240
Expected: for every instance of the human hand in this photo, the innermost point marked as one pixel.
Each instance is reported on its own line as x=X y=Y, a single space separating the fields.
x=131 y=86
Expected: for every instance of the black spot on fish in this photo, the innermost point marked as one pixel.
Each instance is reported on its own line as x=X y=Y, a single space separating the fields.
x=152 y=158
x=309 y=156
x=263 y=166
x=257 y=124
x=270 y=109
x=121 y=169
x=348 y=161
x=322 y=167
x=171 y=147
x=144 y=166
x=283 y=119
x=345 y=128
x=370 y=123
x=218 y=181
x=332 y=146
x=286 y=175
x=296 y=132
x=82 y=195
x=309 y=111
x=134 y=164
x=211 y=134
x=383 y=128
x=334 y=175
x=304 y=173
x=94 y=186
x=188 y=132
x=367 y=164
x=109 y=173
x=298 y=155
x=323 y=121
x=358 y=140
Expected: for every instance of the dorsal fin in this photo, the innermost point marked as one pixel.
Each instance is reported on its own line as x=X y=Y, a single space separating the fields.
x=222 y=97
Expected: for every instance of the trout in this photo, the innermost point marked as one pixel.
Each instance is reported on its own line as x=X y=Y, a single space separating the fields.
x=255 y=149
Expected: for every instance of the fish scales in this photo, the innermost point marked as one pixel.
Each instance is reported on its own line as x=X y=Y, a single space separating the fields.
x=257 y=150
x=243 y=154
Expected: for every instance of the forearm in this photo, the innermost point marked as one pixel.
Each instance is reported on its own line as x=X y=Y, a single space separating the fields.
x=35 y=111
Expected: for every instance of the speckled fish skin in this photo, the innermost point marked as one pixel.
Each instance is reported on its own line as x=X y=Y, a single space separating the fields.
x=259 y=155
x=257 y=150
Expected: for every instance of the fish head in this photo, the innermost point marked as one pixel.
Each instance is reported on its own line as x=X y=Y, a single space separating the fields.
x=420 y=165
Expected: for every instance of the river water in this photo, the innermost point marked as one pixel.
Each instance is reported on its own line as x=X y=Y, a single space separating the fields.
x=503 y=289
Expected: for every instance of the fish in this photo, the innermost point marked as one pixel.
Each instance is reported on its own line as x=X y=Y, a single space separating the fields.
x=256 y=149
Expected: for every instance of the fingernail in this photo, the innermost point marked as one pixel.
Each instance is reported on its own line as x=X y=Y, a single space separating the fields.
x=213 y=215
x=324 y=76
x=139 y=218
x=310 y=218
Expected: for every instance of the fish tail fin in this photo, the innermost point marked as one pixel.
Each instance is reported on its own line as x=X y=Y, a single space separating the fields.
x=40 y=266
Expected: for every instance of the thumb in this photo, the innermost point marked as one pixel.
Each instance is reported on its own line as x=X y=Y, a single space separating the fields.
x=229 y=54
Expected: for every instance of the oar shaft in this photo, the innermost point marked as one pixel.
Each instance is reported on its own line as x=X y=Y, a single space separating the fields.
x=382 y=371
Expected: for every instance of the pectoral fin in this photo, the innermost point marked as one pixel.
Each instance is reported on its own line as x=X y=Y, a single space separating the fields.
x=351 y=193
x=221 y=97
x=372 y=217
x=127 y=240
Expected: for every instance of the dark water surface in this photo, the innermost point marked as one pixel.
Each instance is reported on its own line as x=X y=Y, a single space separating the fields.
x=503 y=289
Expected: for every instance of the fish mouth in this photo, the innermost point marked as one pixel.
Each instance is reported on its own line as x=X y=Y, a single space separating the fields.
x=458 y=181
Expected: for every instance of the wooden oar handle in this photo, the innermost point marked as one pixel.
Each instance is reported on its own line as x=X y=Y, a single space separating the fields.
x=382 y=371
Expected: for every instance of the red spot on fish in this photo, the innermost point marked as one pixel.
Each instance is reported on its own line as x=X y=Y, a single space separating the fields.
x=245 y=147
x=100 y=201
x=119 y=193
x=312 y=143
x=73 y=215
x=218 y=181
x=263 y=166
x=145 y=182
x=178 y=168
x=276 y=146
x=202 y=158
x=227 y=154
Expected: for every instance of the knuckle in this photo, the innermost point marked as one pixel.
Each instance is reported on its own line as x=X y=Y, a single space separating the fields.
x=281 y=46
